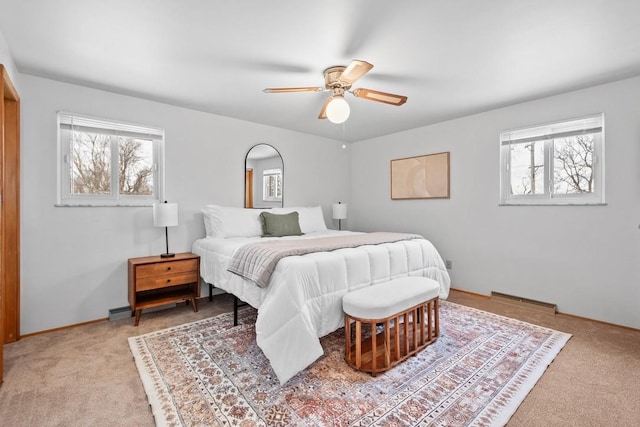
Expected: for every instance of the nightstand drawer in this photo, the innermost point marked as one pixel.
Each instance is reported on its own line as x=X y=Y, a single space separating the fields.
x=166 y=280
x=172 y=267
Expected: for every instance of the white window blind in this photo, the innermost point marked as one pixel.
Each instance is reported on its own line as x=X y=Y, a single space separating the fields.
x=583 y=126
x=94 y=125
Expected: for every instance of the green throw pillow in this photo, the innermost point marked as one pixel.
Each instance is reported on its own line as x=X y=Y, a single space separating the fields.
x=274 y=225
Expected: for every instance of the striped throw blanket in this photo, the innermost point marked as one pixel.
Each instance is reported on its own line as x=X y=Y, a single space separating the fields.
x=256 y=261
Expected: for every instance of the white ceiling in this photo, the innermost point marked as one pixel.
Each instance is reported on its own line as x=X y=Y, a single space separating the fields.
x=451 y=58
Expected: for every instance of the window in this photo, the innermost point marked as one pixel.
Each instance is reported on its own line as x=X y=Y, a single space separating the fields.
x=559 y=163
x=272 y=185
x=106 y=163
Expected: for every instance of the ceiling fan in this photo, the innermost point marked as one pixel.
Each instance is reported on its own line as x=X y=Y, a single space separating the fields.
x=338 y=80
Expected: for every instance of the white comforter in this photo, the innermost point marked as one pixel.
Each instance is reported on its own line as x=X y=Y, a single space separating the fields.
x=303 y=300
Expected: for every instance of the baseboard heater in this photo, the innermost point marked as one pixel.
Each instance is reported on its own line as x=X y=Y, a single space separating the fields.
x=545 y=307
x=119 y=313
x=122 y=312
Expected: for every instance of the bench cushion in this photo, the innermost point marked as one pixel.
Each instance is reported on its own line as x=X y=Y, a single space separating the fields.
x=386 y=299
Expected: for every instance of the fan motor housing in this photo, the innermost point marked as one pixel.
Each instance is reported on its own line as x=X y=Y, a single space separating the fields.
x=332 y=76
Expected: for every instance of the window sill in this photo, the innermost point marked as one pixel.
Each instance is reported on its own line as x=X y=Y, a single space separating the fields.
x=114 y=205
x=553 y=204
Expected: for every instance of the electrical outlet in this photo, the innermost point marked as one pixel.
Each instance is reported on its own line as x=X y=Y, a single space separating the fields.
x=449 y=264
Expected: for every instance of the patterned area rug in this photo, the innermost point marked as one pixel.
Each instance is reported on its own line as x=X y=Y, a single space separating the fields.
x=208 y=373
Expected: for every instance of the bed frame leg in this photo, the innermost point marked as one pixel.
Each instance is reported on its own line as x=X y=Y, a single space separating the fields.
x=236 y=304
x=235 y=310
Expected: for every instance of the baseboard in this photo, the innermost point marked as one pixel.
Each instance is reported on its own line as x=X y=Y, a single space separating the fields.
x=205 y=298
x=62 y=328
x=462 y=291
x=114 y=314
x=544 y=307
x=559 y=313
x=125 y=312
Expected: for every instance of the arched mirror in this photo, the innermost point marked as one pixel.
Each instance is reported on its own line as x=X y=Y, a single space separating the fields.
x=263 y=177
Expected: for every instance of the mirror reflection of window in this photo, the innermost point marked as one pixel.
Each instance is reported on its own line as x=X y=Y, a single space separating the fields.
x=272 y=185
x=264 y=177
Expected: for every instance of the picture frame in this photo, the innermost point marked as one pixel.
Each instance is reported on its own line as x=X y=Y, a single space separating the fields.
x=421 y=177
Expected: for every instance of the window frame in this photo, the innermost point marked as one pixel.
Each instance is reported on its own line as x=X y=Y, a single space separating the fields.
x=113 y=127
x=277 y=174
x=545 y=133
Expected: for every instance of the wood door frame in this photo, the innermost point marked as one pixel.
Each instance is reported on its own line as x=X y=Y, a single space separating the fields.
x=9 y=212
x=248 y=188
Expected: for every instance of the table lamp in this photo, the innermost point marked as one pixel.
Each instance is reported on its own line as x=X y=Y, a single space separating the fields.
x=339 y=213
x=165 y=215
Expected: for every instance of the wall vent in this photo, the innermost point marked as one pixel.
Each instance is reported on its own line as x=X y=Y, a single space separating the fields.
x=544 y=307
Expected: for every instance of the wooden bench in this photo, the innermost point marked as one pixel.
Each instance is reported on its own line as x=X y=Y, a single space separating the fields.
x=400 y=307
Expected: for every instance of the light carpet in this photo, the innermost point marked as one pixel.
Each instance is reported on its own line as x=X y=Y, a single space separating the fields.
x=209 y=373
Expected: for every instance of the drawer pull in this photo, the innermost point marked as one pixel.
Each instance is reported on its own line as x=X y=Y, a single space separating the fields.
x=168 y=280
x=168 y=268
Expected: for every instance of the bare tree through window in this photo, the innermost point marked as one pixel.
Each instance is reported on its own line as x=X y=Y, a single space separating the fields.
x=91 y=164
x=527 y=168
x=92 y=169
x=136 y=167
x=573 y=165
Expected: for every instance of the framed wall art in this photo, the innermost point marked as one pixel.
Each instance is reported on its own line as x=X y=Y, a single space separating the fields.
x=421 y=177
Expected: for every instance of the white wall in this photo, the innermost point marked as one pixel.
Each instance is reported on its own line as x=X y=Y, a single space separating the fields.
x=7 y=61
x=75 y=259
x=585 y=259
x=582 y=258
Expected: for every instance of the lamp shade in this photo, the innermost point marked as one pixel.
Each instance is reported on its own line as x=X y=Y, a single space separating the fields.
x=165 y=214
x=338 y=110
x=339 y=211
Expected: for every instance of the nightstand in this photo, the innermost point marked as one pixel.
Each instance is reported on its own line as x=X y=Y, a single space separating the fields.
x=156 y=281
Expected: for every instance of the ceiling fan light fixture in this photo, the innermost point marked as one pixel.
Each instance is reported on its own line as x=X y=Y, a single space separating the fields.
x=338 y=110
x=338 y=80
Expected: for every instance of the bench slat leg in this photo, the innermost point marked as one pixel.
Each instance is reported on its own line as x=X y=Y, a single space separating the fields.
x=374 y=349
x=396 y=328
x=422 y=333
x=429 y=321
x=406 y=333
x=387 y=344
x=358 y=344
x=347 y=337
x=436 y=314
x=415 y=330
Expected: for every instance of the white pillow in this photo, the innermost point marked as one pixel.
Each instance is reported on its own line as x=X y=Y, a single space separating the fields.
x=212 y=220
x=311 y=218
x=222 y=221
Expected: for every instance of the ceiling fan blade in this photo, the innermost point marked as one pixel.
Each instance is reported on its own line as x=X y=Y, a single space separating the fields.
x=355 y=71
x=323 y=112
x=374 y=95
x=292 y=89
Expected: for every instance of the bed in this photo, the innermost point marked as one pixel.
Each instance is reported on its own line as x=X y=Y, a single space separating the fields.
x=303 y=299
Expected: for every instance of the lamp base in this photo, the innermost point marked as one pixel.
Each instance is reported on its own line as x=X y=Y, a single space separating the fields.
x=167 y=255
